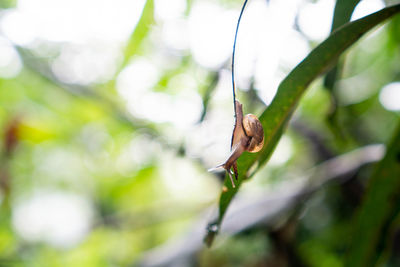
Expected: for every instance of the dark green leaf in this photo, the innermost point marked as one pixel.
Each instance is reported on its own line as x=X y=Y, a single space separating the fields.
x=343 y=11
x=380 y=207
x=342 y=14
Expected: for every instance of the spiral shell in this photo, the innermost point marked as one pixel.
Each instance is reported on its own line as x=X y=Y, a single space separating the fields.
x=253 y=129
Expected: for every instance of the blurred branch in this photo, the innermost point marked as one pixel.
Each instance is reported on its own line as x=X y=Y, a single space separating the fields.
x=9 y=144
x=265 y=208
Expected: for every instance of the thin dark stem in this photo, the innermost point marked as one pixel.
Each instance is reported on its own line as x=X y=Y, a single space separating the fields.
x=233 y=57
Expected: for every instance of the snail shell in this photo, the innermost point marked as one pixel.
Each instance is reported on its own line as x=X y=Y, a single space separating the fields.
x=253 y=129
x=248 y=135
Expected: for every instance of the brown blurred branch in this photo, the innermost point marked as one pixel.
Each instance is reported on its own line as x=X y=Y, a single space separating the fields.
x=9 y=144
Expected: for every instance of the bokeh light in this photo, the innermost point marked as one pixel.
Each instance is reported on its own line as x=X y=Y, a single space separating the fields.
x=59 y=218
x=390 y=96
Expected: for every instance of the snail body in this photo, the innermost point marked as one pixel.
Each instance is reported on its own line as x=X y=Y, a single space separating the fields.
x=248 y=135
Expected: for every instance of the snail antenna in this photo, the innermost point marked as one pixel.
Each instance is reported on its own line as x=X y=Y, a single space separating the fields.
x=233 y=56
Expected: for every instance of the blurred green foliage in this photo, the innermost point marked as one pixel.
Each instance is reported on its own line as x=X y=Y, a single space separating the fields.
x=133 y=183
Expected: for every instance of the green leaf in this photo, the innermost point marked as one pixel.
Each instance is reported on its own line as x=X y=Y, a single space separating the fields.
x=7 y=4
x=276 y=116
x=342 y=14
x=140 y=32
x=381 y=206
x=343 y=11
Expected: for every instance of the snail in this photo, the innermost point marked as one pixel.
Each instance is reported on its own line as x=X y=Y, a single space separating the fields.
x=248 y=135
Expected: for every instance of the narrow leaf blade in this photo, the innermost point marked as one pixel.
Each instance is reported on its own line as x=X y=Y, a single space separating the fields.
x=381 y=204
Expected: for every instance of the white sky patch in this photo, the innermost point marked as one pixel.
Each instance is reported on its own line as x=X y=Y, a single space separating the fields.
x=186 y=182
x=211 y=139
x=169 y=10
x=315 y=19
x=296 y=49
x=140 y=151
x=254 y=44
x=282 y=153
x=10 y=63
x=182 y=111
x=175 y=34
x=138 y=77
x=390 y=96
x=265 y=36
x=58 y=218
x=269 y=87
x=93 y=33
x=367 y=7
x=135 y=84
x=15 y=26
x=72 y=20
x=211 y=29
x=85 y=64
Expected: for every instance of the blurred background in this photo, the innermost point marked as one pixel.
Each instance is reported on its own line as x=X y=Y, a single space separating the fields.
x=111 y=112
